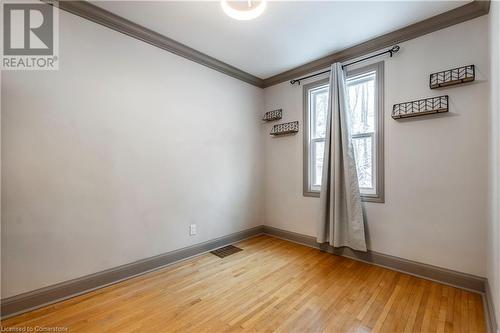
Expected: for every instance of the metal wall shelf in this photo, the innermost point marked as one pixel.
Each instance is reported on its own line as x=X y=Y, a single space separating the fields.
x=273 y=115
x=285 y=128
x=420 y=107
x=451 y=77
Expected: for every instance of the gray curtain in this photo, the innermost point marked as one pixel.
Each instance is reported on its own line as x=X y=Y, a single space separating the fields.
x=341 y=219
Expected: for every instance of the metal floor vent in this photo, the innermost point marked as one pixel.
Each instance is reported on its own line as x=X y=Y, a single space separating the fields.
x=226 y=251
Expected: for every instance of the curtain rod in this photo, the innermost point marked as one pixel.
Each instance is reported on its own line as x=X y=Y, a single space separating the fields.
x=391 y=51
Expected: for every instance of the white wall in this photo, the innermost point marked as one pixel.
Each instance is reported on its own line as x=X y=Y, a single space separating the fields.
x=436 y=167
x=493 y=264
x=109 y=159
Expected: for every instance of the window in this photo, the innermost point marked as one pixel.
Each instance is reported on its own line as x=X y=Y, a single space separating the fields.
x=365 y=97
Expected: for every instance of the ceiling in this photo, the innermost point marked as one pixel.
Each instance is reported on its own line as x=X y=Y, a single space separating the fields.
x=287 y=35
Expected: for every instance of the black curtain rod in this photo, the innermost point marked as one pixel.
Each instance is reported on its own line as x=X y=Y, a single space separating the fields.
x=391 y=52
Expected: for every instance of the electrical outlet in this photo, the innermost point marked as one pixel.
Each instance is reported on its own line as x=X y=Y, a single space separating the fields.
x=192 y=229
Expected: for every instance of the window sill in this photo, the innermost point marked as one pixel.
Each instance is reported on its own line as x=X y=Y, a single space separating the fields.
x=372 y=198
x=311 y=194
x=364 y=198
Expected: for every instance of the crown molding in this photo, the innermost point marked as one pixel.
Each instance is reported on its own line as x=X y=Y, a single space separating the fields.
x=101 y=16
x=460 y=14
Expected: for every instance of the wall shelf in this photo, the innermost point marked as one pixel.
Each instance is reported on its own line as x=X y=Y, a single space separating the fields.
x=285 y=128
x=420 y=107
x=451 y=77
x=273 y=115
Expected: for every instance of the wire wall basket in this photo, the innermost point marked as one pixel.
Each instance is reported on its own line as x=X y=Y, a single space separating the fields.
x=285 y=128
x=273 y=115
x=452 y=77
x=421 y=107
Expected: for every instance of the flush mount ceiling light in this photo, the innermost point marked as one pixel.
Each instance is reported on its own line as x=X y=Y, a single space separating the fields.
x=243 y=10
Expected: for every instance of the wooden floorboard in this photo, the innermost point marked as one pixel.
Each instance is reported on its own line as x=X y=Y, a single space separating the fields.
x=271 y=286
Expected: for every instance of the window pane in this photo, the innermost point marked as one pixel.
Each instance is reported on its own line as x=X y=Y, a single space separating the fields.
x=319 y=104
x=361 y=96
x=362 y=103
x=363 y=151
x=317 y=162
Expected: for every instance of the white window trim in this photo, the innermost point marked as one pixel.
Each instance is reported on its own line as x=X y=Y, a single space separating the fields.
x=379 y=195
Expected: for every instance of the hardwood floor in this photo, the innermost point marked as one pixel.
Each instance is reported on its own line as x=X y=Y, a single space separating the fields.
x=271 y=286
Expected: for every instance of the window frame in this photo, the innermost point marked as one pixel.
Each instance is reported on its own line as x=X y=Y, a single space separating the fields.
x=378 y=136
x=308 y=191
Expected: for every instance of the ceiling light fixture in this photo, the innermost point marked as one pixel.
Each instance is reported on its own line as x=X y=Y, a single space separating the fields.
x=243 y=10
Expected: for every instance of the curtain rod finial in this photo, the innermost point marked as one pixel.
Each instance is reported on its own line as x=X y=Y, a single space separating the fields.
x=394 y=49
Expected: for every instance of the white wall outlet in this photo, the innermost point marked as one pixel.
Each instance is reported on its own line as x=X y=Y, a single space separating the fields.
x=192 y=229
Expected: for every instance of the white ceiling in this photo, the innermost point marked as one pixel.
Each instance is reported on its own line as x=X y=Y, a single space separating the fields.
x=288 y=34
